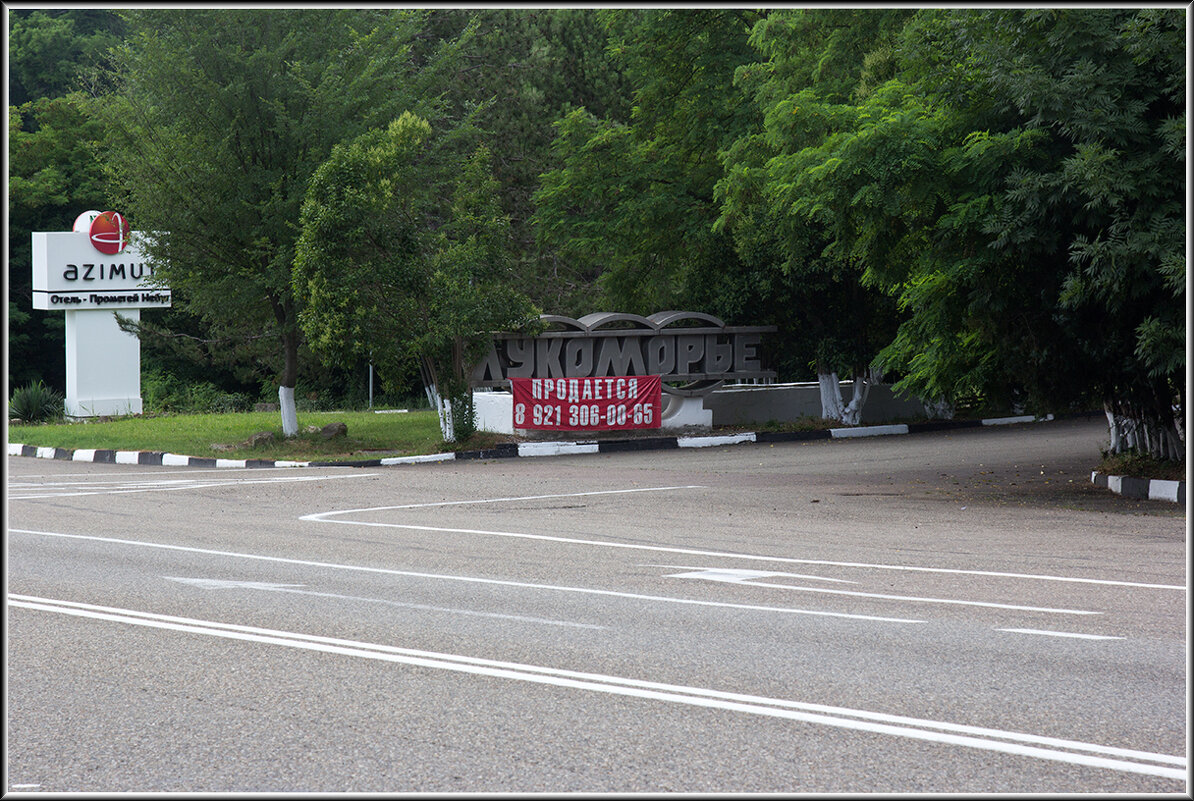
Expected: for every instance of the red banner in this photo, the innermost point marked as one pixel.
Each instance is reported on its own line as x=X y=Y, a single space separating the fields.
x=587 y=404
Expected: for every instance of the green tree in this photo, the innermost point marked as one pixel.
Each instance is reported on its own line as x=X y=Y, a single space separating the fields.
x=49 y=49
x=53 y=175
x=532 y=66
x=52 y=179
x=647 y=197
x=635 y=196
x=843 y=320
x=405 y=257
x=1012 y=181
x=219 y=118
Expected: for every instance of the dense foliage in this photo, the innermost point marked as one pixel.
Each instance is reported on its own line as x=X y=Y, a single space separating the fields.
x=1013 y=183
x=404 y=257
x=52 y=173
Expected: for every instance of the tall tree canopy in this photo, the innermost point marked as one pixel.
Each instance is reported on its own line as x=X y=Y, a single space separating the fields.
x=220 y=117
x=533 y=66
x=53 y=174
x=1013 y=182
x=646 y=197
x=844 y=320
x=634 y=195
x=405 y=255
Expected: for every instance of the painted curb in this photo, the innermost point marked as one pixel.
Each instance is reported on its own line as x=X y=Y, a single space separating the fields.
x=1142 y=489
x=507 y=450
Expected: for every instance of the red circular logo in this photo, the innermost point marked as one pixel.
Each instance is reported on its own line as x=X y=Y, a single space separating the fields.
x=109 y=232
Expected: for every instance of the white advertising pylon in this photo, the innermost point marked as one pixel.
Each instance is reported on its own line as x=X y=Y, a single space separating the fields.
x=94 y=274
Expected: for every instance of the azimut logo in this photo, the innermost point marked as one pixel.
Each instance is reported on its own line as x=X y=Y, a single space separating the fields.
x=107 y=230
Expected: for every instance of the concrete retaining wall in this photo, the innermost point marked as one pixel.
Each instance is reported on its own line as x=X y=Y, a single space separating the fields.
x=750 y=404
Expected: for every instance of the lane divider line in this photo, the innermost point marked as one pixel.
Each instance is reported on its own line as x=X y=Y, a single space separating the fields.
x=476 y=580
x=1061 y=634
x=939 y=732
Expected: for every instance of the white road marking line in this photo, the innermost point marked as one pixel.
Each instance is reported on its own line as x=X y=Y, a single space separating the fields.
x=938 y=732
x=326 y=517
x=185 y=485
x=705 y=574
x=293 y=588
x=474 y=580
x=1062 y=634
x=321 y=516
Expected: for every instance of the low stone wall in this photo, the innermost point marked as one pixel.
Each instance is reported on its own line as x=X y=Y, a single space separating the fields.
x=756 y=405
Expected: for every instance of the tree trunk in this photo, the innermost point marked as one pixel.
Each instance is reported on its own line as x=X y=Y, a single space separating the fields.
x=833 y=406
x=831 y=395
x=290 y=342
x=438 y=402
x=852 y=414
x=1133 y=431
x=288 y=410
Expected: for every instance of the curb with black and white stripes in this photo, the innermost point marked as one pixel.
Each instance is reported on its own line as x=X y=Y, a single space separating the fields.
x=1129 y=487
x=1150 y=489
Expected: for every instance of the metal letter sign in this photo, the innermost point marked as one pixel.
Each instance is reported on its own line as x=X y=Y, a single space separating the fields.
x=587 y=404
x=677 y=346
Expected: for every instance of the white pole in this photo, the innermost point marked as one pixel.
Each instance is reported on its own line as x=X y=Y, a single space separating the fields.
x=370 y=385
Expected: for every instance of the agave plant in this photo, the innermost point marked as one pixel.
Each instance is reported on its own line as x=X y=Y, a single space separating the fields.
x=35 y=403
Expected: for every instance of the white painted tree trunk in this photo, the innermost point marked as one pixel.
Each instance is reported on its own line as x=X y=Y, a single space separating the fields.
x=852 y=414
x=446 y=424
x=939 y=410
x=443 y=408
x=833 y=407
x=1129 y=434
x=831 y=396
x=289 y=414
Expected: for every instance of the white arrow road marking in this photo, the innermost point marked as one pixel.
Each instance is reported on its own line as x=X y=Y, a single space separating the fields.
x=940 y=732
x=744 y=576
x=737 y=575
x=220 y=584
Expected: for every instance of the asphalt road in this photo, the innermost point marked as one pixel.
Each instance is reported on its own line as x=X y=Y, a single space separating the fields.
x=950 y=612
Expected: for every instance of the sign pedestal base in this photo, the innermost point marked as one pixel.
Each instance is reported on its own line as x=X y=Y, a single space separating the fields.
x=682 y=412
x=103 y=364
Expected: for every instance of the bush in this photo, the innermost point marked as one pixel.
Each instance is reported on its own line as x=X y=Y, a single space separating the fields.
x=35 y=403
x=227 y=402
x=161 y=392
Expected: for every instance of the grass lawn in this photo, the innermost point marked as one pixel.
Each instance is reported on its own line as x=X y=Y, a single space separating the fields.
x=370 y=435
